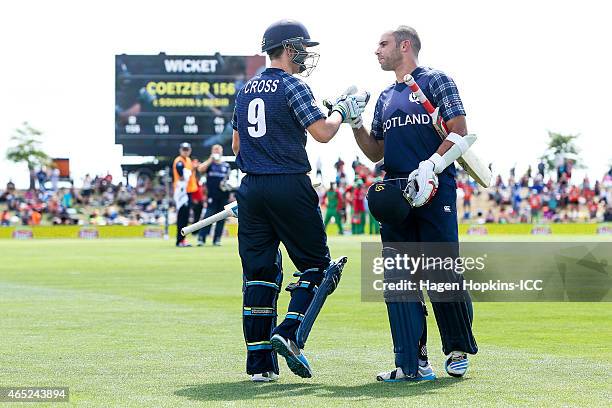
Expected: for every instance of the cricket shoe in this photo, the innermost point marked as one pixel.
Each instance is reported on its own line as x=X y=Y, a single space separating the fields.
x=268 y=376
x=183 y=244
x=296 y=361
x=200 y=243
x=457 y=364
x=424 y=373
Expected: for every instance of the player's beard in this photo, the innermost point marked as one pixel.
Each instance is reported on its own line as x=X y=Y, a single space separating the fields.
x=391 y=62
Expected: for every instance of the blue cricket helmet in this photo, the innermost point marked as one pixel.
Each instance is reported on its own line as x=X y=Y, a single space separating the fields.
x=285 y=32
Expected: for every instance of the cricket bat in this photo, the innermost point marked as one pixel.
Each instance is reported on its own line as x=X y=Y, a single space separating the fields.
x=230 y=210
x=469 y=161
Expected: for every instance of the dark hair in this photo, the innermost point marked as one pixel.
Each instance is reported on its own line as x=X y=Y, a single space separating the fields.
x=275 y=53
x=403 y=33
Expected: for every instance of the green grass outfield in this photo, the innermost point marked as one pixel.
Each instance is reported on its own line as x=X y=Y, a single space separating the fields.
x=135 y=322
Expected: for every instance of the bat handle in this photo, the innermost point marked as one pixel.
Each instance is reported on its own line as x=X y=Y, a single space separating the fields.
x=409 y=80
x=414 y=87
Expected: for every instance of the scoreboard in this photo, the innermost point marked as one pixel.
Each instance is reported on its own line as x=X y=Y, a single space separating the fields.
x=163 y=100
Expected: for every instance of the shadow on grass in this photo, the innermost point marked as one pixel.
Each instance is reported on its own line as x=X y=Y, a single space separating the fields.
x=246 y=390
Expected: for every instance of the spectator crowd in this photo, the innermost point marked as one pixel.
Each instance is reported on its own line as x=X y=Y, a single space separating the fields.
x=534 y=197
x=98 y=202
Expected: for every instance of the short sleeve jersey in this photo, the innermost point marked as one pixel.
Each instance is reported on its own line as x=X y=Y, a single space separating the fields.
x=272 y=112
x=405 y=126
x=216 y=173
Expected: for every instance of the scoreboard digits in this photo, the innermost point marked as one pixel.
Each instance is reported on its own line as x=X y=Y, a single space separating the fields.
x=160 y=99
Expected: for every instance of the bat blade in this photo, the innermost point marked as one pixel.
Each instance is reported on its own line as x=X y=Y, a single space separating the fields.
x=230 y=210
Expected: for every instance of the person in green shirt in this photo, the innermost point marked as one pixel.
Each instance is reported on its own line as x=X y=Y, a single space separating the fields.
x=333 y=199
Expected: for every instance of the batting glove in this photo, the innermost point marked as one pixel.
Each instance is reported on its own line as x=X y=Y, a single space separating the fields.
x=422 y=184
x=350 y=105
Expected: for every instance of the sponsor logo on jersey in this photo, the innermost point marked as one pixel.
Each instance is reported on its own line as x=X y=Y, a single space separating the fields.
x=447 y=208
x=385 y=105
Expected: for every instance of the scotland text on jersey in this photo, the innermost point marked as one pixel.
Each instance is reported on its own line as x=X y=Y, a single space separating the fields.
x=413 y=119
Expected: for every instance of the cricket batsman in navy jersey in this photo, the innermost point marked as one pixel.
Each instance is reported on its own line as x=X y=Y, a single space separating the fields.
x=419 y=165
x=217 y=172
x=278 y=203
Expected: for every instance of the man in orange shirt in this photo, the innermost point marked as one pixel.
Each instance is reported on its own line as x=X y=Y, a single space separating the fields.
x=35 y=217
x=184 y=185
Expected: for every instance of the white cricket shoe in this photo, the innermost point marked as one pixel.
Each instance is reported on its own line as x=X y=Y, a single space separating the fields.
x=425 y=373
x=265 y=377
x=457 y=363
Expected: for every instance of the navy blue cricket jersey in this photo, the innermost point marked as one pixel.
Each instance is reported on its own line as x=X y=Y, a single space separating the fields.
x=216 y=173
x=406 y=127
x=272 y=112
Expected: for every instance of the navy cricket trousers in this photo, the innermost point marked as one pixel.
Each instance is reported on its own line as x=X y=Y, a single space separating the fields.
x=214 y=206
x=273 y=209
x=435 y=222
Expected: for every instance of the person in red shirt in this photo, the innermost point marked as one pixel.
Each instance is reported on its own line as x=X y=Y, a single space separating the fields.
x=535 y=202
x=574 y=195
x=467 y=198
x=358 y=204
x=5 y=219
x=197 y=197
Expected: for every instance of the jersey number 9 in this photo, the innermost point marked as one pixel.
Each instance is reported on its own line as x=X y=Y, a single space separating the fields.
x=257 y=118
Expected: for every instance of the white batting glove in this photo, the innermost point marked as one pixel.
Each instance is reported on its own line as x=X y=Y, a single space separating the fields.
x=350 y=105
x=351 y=90
x=362 y=100
x=356 y=123
x=422 y=184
